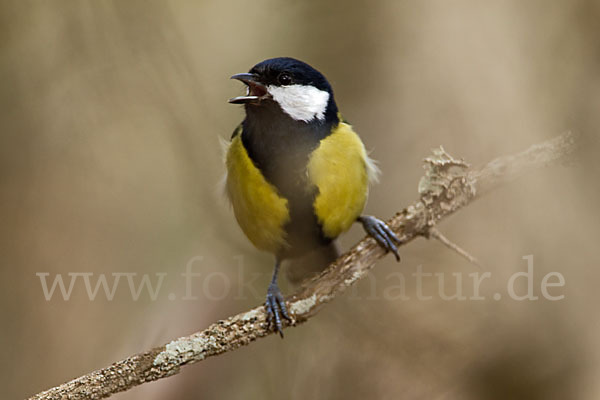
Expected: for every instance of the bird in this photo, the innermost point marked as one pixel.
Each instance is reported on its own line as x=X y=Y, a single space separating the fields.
x=297 y=174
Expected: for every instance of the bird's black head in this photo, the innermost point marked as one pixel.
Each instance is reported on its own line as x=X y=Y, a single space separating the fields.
x=301 y=91
x=285 y=71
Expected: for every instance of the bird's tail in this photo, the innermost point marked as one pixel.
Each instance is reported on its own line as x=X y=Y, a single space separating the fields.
x=299 y=269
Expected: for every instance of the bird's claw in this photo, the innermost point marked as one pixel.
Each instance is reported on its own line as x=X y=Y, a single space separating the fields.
x=382 y=234
x=275 y=308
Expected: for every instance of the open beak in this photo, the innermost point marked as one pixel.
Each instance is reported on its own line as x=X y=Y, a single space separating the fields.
x=255 y=90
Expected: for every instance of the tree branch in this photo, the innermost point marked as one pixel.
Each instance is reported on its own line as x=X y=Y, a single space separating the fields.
x=448 y=185
x=436 y=234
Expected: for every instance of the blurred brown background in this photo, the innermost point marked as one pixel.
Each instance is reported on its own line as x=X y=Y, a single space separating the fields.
x=110 y=161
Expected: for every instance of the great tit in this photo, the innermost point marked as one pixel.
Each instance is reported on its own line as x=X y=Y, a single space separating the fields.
x=297 y=173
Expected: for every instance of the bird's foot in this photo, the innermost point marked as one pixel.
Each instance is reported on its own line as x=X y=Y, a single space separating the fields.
x=382 y=234
x=275 y=308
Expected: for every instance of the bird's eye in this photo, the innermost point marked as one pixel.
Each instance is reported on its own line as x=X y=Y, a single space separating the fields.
x=284 y=78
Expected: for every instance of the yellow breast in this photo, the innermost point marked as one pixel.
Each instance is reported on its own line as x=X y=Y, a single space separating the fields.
x=340 y=168
x=259 y=210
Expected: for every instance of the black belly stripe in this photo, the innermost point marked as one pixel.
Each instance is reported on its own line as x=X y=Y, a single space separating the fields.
x=280 y=148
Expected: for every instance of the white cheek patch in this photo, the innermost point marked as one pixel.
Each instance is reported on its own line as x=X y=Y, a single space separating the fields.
x=303 y=103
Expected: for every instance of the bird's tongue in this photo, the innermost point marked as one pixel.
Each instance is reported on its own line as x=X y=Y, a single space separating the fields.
x=256 y=90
